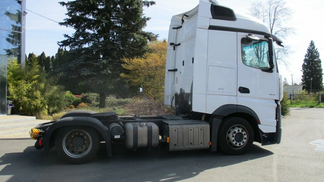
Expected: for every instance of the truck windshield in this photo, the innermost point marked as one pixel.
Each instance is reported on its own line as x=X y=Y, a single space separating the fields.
x=255 y=53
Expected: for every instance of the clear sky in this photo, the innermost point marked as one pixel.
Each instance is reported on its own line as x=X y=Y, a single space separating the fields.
x=43 y=34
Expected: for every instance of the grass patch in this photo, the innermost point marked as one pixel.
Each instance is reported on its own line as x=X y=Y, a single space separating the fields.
x=308 y=104
x=305 y=100
x=311 y=103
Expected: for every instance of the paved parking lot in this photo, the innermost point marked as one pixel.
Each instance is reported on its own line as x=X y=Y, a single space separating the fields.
x=18 y=127
x=300 y=157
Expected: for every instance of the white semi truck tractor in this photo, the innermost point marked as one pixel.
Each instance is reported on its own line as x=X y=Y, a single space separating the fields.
x=221 y=78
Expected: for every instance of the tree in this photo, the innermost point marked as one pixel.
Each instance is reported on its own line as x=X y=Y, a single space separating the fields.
x=63 y=70
x=312 y=78
x=59 y=60
x=44 y=62
x=148 y=72
x=32 y=91
x=105 y=32
x=25 y=88
x=274 y=13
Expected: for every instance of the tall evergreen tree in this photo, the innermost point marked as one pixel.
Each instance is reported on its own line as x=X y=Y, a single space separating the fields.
x=60 y=59
x=106 y=31
x=42 y=60
x=312 y=78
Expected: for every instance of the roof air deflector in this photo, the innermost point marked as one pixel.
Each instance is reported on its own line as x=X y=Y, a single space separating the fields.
x=222 y=13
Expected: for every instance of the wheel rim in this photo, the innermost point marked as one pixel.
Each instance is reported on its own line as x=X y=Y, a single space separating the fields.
x=77 y=143
x=237 y=136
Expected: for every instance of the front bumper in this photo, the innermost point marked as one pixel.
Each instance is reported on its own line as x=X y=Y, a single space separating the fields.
x=38 y=131
x=274 y=138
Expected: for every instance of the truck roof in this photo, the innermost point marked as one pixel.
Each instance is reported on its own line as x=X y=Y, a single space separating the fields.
x=225 y=18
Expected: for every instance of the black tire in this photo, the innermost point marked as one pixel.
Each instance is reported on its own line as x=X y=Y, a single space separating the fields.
x=77 y=144
x=235 y=136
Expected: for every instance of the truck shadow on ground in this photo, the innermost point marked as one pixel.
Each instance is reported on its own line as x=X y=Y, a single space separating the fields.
x=125 y=165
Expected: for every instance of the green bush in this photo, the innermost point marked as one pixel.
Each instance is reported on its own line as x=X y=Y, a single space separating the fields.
x=112 y=101
x=25 y=88
x=304 y=99
x=55 y=98
x=69 y=97
x=32 y=91
x=72 y=99
x=92 y=99
x=76 y=101
x=317 y=97
x=285 y=105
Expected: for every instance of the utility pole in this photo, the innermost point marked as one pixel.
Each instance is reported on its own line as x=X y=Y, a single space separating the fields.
x=292 y=79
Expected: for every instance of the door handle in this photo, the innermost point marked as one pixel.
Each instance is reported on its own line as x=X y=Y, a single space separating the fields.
x=244 y=90
x=173 y=70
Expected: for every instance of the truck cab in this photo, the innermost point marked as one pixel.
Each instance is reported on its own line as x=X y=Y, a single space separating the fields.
x=221 y=64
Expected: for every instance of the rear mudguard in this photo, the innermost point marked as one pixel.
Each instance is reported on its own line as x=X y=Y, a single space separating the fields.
x=78 y=121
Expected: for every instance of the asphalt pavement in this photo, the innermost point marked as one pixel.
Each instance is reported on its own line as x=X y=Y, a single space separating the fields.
x=16 y=126
x=299 y=157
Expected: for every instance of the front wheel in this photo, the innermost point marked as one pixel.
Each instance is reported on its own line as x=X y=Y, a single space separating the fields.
x=235 y=136
x=77 y=144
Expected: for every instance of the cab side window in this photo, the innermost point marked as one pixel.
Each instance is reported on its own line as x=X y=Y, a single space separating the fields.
x=255 y=53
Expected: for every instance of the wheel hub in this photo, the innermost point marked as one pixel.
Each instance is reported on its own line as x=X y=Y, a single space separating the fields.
x=237 y=136
x=77 y=143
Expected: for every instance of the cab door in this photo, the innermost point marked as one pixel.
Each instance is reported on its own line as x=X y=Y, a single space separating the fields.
x=258 y=86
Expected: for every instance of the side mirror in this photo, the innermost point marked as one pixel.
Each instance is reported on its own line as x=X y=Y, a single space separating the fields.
x=252 y=37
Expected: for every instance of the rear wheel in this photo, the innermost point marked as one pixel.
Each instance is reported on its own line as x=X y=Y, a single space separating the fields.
x=235 y=136
x=77 y=144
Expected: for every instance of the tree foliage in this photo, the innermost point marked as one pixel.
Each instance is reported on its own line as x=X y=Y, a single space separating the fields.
x=32 y=91
x=105 y=32
x=148 y=72
x=60 y=59
x=25 y=87
x=312 y=78
x=285 y=110
x=275 y=14
x=44 y=62
x=64 y=71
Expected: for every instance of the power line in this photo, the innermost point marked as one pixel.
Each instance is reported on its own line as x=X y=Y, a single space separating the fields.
x=42 y=16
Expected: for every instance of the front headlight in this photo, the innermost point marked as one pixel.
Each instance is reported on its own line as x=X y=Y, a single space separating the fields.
x=35 y=133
